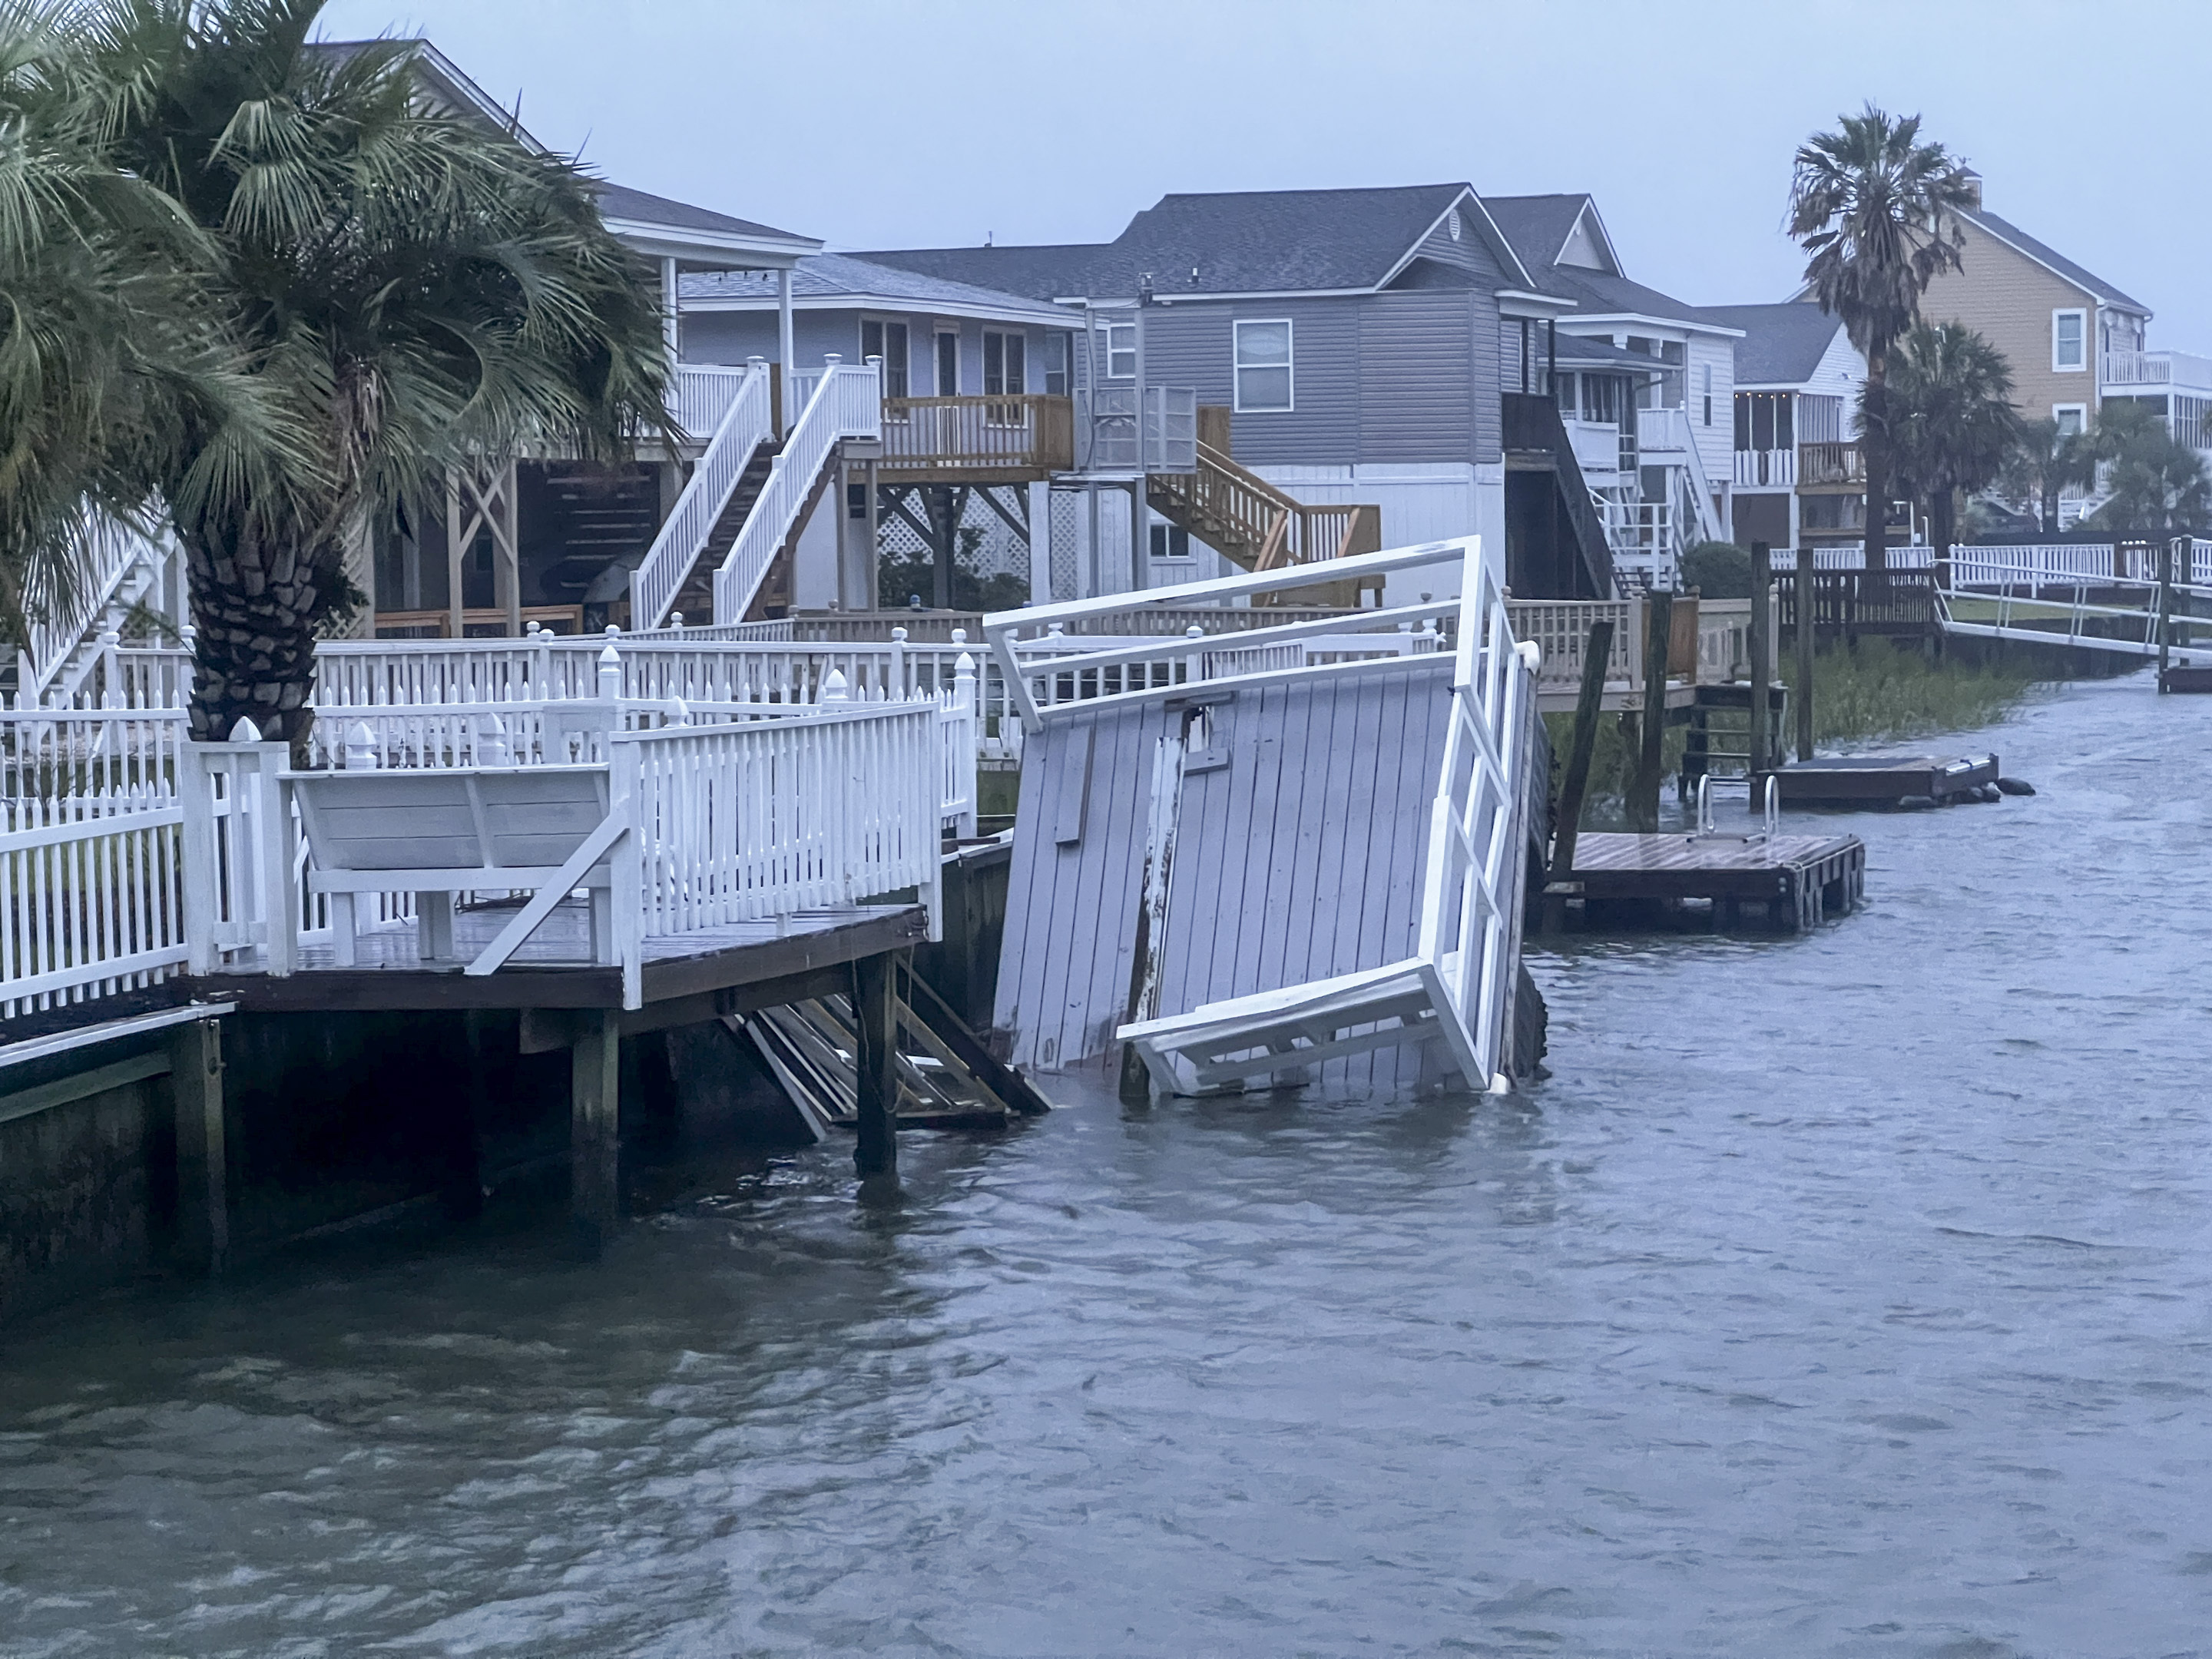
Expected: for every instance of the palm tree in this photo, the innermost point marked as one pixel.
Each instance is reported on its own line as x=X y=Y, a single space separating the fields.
x=408 y=288
x=2157 y=487
x=1946 y=423
x=105 y=351
x=2047 y=460
x=1875 y=210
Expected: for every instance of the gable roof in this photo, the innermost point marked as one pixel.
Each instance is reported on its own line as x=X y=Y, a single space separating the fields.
x=1262 y=241
x=2014 y=237
x=1783 y=344
x=831 y=280
x=654 y=224
x=1540 y=227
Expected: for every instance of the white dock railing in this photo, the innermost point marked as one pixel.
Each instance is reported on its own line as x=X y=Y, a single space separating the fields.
x=847 y=402
x=746 y=424
x=90 y=898
x=1458 y=987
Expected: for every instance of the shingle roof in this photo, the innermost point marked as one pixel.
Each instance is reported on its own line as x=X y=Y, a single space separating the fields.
x=841 y=276
x=1042 y=272
x=1262 y=241
x=1580 y=349
x=2004 y=230
x=1537 y=225
x=620 y=202
x=1782 y=343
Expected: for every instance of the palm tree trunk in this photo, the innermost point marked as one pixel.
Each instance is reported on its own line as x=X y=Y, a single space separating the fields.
x=254 y=606
x=1875 y=460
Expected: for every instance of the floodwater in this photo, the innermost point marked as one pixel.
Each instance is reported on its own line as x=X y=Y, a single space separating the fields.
x=1837 y=1296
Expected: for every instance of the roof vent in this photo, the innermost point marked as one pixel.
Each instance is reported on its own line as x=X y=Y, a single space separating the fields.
x=1453 y=224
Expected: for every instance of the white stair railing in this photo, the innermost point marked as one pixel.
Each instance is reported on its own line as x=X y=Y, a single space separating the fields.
x=122 y=566
x=746 y=426
x=848 y=403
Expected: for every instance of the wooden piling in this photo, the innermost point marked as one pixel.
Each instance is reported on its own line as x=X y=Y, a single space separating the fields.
x=1762 y=661
x=876 y=1080
x=595 y=1128
x=2167 y=558
x=1566 y=823
x=203 y=1183
x=1658 y=630
x=1806 y=631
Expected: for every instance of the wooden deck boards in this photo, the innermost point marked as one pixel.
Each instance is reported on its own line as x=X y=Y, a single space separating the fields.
x=1866 y=780
x=1799 y=878
x=551 y=969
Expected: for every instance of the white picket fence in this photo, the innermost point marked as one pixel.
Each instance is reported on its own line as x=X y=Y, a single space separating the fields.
x=1994 y=564
x=91 y=901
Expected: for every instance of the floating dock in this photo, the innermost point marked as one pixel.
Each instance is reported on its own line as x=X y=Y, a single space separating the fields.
x=1794 y=882
x=1882 y=780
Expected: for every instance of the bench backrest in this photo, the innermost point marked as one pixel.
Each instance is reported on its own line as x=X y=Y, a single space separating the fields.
x=464 y=818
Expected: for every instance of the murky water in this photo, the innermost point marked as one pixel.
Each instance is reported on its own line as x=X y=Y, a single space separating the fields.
x=1841 y=1295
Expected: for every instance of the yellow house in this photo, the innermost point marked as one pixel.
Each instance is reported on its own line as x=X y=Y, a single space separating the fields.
x=2066 y=331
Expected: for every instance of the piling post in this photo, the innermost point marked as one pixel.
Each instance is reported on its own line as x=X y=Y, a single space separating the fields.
x=2167 y=559
x=875 y=1076
x=1805 y=642
x=595 y=1128
x=1658 y=627
x=1567 y=824
x=1762 y=661
x=203 y=1182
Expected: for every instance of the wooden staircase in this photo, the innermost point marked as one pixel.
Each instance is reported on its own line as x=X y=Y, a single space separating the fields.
x=1257 y=526
x=695 y=594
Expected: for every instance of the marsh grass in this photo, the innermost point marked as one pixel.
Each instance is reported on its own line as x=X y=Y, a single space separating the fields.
x=1878 y=693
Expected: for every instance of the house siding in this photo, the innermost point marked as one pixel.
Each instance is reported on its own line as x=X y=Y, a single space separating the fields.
x=731 y=336
x=1716 y=441
x=2008 y=299
x=1402 y=377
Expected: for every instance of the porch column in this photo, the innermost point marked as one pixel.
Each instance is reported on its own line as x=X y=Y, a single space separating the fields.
x=1040 y=518
x=669 y=297
x=1140 y=539
x=783 y=343
x=872 y=565
x=453 y=551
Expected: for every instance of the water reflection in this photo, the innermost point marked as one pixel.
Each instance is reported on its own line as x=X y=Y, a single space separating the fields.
x=1841 y=1295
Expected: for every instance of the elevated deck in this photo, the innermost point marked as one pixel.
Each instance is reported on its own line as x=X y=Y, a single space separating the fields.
x=552 y=968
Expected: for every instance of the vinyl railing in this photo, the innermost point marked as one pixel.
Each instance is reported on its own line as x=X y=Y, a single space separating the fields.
x=701 y=398
x=90 y=900
x=58 y=621
x=744 y=426
x=1765 y=468
x=846 y=403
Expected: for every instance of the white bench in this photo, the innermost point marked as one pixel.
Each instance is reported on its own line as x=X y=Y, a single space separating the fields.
x=466 y=830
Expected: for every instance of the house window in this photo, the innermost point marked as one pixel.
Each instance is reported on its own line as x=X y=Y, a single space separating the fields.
x=1055 y=365
x=1121 y=351
x=2069 y=334
x=948 y=365
x=886 y=340
x=1263 y=366
x=1170 y=541
x=1708 y=373
x=2073 y=419
x=1005 y=364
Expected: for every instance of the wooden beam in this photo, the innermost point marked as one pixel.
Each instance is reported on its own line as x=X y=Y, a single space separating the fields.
x=595 y=1130
x=195 y=1065
x=1761 y=645
x=546 y=1031
x=28 y=1102
x=876 y=1093
x=1805 y=635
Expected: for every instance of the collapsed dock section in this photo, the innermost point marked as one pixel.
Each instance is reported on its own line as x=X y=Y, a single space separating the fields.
x=1266 y=855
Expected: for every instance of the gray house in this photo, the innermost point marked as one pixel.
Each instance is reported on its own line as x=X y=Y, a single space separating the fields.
x=1385 y=346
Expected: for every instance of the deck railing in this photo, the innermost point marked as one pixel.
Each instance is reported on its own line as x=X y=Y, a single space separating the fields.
x=744 y=426
x=1765 y=468
x=1021 y=433
x=90 y=901
x=846 y=403
x=1830 y=465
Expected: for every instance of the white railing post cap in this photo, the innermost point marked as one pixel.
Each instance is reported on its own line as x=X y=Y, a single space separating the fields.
x=245 y=730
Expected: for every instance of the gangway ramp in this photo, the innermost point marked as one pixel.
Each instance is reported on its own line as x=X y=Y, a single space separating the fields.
x=1255 y=868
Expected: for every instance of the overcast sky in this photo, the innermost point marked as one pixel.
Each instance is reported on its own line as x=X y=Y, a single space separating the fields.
x=874 y=123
